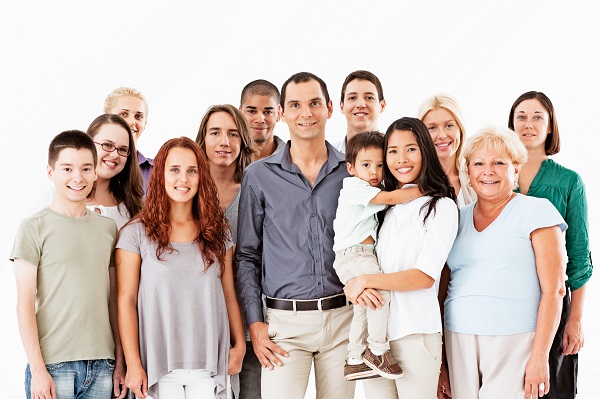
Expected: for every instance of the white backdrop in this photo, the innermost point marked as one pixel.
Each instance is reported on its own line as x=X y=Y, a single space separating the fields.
x=60 y=60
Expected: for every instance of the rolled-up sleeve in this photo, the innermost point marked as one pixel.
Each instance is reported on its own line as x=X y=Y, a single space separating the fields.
x=440 y=233
x=579 y=265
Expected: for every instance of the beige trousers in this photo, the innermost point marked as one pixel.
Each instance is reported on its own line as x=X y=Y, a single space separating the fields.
x=487 y=367
x=420 y=356
x=309 y=337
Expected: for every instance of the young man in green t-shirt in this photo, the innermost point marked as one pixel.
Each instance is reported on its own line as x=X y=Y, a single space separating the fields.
x=66 y=286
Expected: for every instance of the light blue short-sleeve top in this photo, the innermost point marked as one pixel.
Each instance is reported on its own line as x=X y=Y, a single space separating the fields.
x=494 y=287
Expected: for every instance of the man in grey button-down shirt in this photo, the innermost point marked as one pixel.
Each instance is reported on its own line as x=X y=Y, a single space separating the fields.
x=285 y=250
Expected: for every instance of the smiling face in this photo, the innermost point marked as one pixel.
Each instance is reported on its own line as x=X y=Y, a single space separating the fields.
x=262 y=113
x=73 y=175
x=361 y=106
x=404 y=157
x=305 y=110
x=368 y=166
x=181 y=175
x=531 y=122
x=222 y=141
x=444 y=131
x=111 y=164
x=492 y=174
x=133 y=110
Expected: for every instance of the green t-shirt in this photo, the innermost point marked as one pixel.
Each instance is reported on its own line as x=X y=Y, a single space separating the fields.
x=73 y=256
x=565 y=189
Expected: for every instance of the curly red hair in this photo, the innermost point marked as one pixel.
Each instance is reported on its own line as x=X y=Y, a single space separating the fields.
x=210 y=218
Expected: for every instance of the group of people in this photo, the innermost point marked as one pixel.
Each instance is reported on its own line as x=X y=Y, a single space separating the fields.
x=424 y=262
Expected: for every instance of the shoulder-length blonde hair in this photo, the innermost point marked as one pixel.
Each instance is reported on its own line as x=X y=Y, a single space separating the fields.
x=442 y=100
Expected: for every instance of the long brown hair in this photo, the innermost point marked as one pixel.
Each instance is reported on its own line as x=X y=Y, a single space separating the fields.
x=247 y=146
x=126 y=186
x=212 y=226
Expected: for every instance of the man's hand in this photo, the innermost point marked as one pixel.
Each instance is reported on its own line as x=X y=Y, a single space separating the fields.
x=119 y=388
x=42 y=385
x=266 y=351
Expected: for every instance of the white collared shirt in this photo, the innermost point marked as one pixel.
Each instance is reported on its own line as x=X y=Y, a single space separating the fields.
x=405 y=243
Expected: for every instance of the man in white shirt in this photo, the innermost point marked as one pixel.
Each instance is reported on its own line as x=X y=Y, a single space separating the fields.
x=361 y=102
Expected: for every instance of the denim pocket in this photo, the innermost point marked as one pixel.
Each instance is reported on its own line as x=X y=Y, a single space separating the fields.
x=110 y=364
x=55 y=366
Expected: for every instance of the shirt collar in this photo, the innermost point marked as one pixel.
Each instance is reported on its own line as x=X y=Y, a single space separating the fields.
x=283 y=158
x=142 y=159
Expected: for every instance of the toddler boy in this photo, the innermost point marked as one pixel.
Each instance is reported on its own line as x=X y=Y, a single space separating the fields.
x=354 y=245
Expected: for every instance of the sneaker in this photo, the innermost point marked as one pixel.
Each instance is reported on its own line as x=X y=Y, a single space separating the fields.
x=385 y=365
x=358 y=372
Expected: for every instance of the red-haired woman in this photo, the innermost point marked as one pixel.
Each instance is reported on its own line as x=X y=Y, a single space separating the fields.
x=176 y=297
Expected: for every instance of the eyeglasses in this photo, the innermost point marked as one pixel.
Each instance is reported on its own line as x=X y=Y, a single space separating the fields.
x=108 y=147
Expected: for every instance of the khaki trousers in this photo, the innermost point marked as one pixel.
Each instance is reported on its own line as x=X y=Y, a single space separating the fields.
x=420 y=356
x=368 y=325
x=309 y=337
x=487 y=367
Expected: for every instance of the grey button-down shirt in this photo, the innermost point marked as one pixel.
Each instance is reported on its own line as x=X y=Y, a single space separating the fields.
x=285 y=231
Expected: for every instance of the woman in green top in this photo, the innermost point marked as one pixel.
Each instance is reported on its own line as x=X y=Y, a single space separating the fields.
x=533 y=119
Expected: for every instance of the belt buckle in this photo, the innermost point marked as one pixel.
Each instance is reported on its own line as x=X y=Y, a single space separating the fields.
x=320 y=304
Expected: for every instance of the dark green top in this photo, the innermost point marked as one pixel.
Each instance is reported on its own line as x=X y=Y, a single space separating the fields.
x=565 y=189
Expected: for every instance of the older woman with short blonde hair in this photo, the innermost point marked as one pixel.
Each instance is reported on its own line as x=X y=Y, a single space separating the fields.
x=507 y=269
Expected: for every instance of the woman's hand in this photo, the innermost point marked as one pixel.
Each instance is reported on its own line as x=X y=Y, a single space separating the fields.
x=137 y=381
x=354 y=287
x=236 y=357
x=537 y=377
x=371 y=298
x=572 y=341
x=357 y=292
x=444 y=391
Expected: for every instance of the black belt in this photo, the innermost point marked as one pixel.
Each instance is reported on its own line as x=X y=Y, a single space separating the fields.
x=328 y=303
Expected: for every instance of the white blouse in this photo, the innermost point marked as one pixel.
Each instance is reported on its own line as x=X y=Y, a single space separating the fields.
x=405 y=243
x=117 y=213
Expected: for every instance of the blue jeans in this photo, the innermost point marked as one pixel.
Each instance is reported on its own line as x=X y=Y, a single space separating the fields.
x=81 y=379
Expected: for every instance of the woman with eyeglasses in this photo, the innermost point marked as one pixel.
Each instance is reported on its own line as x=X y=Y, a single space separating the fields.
x=118 y=192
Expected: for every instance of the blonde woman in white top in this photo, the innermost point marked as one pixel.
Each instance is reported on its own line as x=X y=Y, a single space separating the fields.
x=443 y=117
x=413 y=244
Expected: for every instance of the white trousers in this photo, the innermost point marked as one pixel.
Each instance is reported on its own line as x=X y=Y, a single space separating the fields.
x=487 y=367
x=420 y=356
x=187 y=384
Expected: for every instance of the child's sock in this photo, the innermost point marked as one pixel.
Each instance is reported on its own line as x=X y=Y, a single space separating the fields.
x=377 y=353
x=352 y=361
